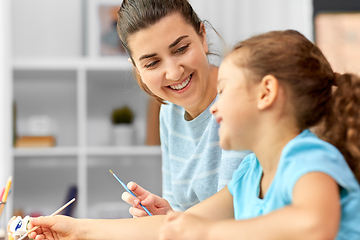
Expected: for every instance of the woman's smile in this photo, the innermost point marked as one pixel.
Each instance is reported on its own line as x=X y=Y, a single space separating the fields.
x=182 y=86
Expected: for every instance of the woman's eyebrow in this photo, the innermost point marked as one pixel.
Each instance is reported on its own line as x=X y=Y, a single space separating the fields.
x=177 y=41
x=170 y=46
x=147 y=56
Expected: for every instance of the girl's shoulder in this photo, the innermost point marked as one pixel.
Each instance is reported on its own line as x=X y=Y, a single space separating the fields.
x=308 y=147
x=307 y=153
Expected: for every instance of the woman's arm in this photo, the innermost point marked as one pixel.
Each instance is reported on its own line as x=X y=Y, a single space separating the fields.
x=314 y=214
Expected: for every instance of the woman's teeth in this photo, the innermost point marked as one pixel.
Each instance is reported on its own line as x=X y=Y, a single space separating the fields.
x=181 y=85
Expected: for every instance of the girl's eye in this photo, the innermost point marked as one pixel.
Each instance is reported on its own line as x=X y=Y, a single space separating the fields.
x=182 y=49
x=152 y=64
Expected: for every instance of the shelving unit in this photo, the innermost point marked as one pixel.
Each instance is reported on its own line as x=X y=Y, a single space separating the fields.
x=55 y=73
x=79 y=94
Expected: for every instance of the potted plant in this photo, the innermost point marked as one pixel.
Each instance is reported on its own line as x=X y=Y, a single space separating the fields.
x=122 y=119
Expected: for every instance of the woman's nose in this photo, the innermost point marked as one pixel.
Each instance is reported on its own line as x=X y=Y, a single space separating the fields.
x=174 y=70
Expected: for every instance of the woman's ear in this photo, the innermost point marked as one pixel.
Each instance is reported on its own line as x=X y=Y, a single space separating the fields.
x=269 y=87
x=202 y=33
x=131 y=61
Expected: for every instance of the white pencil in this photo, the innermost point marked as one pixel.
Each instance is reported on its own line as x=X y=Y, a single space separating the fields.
x=56 y=212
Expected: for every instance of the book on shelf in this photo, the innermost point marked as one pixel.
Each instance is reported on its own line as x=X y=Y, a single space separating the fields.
x=35 y=141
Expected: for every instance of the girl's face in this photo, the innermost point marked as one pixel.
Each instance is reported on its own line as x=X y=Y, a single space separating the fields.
x=236 y=109
x=170 y=57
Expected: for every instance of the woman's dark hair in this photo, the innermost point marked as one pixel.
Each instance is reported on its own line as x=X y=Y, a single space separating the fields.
x=135 y=15
x=318 y=95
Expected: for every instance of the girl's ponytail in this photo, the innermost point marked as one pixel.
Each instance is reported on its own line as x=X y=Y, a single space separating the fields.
x=342 y=126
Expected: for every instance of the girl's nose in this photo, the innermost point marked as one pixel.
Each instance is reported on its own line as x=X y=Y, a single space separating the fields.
x=213 y=109
x=174 y=70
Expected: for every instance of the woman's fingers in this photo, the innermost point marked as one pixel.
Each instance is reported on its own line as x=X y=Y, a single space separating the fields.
x=127 y=197
x=138 y=190
x=137 y=212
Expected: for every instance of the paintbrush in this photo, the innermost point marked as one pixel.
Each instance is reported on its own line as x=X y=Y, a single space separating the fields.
x=129 y=191
x=56 y=212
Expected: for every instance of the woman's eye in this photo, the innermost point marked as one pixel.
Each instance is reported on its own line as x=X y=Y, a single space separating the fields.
x=152 y=64
x=182 y=49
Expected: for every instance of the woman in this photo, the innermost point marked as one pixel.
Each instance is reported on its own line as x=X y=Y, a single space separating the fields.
x=167 y=45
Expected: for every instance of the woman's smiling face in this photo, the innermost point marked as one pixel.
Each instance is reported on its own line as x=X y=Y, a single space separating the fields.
x=170 y=57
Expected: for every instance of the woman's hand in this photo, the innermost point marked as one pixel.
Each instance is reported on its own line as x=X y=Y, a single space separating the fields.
x=184 y=226
x=53 y=228
x=155 y=204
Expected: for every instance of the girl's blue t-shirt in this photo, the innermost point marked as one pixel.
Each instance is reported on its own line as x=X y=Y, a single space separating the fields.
x=303 y=154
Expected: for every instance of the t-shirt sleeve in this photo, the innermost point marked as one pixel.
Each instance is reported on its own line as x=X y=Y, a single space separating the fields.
x=230 y=161
x=314 y=158
x=239 y=173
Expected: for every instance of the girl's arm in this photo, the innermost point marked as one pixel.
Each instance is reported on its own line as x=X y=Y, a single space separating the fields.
x=62 y=227
x=66 y=228
x=314 y=214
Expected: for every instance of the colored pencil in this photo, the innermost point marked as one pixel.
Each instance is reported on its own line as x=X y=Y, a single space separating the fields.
x=6 y=193
x=2 y=193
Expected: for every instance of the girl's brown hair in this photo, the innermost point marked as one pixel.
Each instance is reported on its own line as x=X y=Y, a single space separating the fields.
x=317 y=94
x=135 y=15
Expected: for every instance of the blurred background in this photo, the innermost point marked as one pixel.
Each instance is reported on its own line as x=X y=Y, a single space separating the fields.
x=66 y=85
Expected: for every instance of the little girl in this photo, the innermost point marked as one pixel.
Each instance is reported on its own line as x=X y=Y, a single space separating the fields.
x=272 y=89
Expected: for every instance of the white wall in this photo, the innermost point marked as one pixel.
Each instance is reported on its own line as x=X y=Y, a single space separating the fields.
x=237 y=20
x=47 y=28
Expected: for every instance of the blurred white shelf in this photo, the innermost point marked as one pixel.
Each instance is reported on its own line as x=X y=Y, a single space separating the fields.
x=90 y=151
x=105 y=63
x=45 y=152
x=125 y=151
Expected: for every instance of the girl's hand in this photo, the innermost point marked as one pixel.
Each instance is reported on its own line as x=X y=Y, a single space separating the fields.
x=155 y=204
x=184 y=226
x=53 y=228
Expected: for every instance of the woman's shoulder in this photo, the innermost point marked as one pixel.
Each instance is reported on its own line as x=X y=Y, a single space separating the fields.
x=170 y=112
x=170 y=108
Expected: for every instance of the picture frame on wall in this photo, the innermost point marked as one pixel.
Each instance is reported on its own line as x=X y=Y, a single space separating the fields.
x=338 y=36
x=103 y=39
